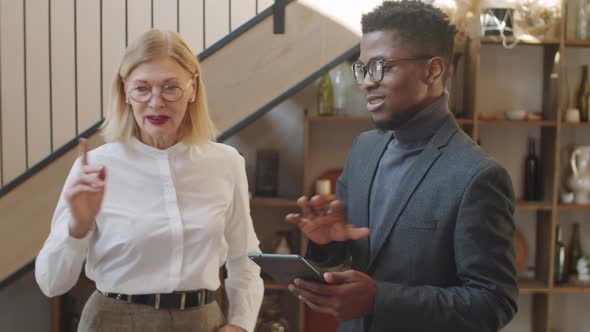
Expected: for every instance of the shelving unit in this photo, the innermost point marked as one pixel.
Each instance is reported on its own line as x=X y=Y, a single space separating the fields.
x=549 y=131
x=546 y=214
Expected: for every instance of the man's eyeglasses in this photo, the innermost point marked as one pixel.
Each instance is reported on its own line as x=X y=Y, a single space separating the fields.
x=375 y=67
x=168 y=92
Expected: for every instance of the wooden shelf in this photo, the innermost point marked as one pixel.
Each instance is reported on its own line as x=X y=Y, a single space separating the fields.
x=505 y=122
x=577 y=43
x=528 y=286
x=570 y=289
x=580 y=124
x=316 y=118
x=464 y=121
x=498 y=40
x=273 y=201
x=573 y=207
x=272 y=286
x=536 y=206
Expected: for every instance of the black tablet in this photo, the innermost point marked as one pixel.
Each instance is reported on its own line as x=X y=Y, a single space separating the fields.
x=285 y=268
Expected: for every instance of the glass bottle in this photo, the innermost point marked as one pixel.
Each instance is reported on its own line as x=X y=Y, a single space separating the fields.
x=583 y=19
x=575 y=251
x=583 y=95
x=559 y=273
x=532 y=176
x=326 y=96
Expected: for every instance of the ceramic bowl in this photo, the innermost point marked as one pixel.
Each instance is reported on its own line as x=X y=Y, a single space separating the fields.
x=535 y=116
x=516 y=115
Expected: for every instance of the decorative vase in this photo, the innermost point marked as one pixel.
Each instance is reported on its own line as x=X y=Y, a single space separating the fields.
x=579 y=181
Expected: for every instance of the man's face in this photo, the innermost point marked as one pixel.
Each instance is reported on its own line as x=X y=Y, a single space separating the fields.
x=403 y=90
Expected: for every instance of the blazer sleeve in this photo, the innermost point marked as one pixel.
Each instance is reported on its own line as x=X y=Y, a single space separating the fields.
x=485 y=299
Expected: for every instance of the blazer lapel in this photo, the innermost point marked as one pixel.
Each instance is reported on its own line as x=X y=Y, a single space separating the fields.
x=421 y=166
x=362 y=196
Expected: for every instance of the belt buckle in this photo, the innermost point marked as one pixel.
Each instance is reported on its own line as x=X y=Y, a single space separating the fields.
x=157 y=304
x=182 y=300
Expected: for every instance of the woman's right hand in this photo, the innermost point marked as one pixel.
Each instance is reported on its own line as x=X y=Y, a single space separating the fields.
x=323 y=222
x=85 y=194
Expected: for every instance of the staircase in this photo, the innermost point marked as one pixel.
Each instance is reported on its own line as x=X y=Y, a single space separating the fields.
x=247 y=73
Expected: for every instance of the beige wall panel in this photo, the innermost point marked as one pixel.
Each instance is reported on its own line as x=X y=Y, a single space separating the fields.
x=191 y=23
x=38 y=110
x=62 y=71
x=311 y=41
x=113 y=42
x=241 y=12
x=139 y=18
x=88 y=22
x=25 y=213
x=216 y=20
x=165 y=15
x=263 y=4
x=13 y=92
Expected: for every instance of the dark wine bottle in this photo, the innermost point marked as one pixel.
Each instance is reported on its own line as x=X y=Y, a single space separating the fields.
x=532 y=174
x=559 y=272
x=582 y=97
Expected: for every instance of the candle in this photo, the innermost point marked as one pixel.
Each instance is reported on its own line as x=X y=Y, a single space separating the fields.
x=323 y=187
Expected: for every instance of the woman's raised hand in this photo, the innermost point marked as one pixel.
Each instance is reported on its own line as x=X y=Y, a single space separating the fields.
x=85 y=194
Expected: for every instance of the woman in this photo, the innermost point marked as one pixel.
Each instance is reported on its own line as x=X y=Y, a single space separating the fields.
x=158 y=209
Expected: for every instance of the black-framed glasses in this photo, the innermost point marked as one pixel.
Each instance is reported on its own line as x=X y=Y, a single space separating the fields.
x=142 y=93
x=375 y=67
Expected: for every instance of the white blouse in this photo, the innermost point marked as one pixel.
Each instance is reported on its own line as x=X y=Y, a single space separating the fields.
x=169 y=220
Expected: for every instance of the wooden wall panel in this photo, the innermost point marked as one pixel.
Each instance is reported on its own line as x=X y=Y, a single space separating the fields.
x=165 y=15
x=216 y=20
x=241 y=12
x=263 y=4
x=88 y=63
x=38 y=88
x=191 y=23
x=13 y=108
x=63 y=72
x=139 y=18
x=113 y=43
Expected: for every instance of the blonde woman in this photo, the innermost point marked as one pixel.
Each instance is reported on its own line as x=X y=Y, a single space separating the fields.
x=157 y=210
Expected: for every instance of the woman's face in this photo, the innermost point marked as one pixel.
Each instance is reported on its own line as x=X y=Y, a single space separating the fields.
x=159 y=92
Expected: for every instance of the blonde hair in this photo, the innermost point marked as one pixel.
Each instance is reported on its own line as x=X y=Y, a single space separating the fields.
x=120 y=125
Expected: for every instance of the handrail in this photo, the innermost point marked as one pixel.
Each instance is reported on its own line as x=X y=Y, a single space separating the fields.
x=222 y=137
x=94 y=128
x=287 y=94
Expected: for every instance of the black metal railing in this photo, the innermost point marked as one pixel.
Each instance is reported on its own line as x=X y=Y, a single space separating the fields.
x=6 y=185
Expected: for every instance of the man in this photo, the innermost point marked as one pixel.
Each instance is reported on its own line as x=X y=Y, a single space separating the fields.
x=439 y=255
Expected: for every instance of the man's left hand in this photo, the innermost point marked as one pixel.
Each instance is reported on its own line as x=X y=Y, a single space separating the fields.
x=349 y=294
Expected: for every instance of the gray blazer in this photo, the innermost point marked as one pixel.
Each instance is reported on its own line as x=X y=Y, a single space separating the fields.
x=445 y=259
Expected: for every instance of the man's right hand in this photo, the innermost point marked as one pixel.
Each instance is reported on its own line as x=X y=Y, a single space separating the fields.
x=85 y=194
x=323 y=223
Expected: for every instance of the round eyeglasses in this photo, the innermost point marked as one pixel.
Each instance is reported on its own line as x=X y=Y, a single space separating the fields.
x=375 y=67
x=142 y=93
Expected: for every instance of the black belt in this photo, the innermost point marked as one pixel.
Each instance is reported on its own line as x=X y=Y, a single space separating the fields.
x=176 y=300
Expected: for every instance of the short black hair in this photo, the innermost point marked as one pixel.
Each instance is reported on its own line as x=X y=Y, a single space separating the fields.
x=425 y=28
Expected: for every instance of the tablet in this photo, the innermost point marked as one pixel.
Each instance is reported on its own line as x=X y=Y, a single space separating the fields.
x=285 y=268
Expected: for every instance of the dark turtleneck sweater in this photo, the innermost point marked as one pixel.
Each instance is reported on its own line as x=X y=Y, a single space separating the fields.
x=397 y=160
